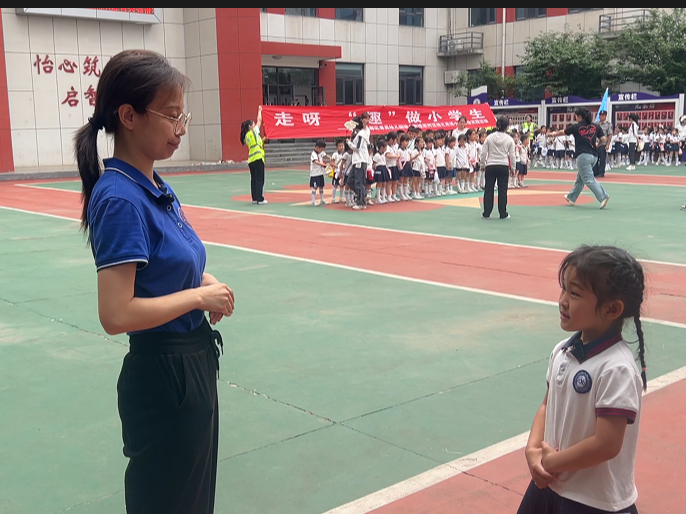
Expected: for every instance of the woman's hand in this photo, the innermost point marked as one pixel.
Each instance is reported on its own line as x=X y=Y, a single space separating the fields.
x=216 y=316
x=216 y=298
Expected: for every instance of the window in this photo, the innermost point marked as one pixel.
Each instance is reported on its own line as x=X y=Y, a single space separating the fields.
x=582 y=9
x=349 y=84
x=412 y=16
x=523 y=13
x=482 y=16
x=302 y=11
x=349 y=14
x=411 y=85
x=527 y=95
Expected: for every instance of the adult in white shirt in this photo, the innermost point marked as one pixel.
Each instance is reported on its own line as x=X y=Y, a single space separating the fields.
x=682 y=138
x=360 y=146
x=498 y=160
x=461 y=127
x=633 y=140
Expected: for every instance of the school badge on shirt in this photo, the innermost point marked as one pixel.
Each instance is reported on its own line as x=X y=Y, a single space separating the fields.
x=182 y=215
x=582 y=382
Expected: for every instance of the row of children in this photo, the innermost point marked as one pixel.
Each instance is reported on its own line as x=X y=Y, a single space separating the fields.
x=557 y=152
x=409 y=166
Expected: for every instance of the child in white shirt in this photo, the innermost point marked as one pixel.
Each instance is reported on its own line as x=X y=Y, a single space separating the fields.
x=317 y=167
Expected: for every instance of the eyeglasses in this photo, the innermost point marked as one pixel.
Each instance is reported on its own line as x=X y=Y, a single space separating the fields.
x=179 y=123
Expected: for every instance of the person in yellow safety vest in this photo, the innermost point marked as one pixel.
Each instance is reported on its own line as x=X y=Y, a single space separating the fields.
x=529 y=126
x=250 y=137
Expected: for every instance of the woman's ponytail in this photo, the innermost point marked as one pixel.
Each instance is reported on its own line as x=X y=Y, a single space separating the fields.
x=88 y=162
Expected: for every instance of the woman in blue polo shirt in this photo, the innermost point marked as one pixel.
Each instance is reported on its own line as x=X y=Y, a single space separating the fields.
x=152 y=285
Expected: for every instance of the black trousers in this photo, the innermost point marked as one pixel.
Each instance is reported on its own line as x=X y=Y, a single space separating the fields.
x=359 y=183
x=547 y=501
x=170 y=421
x=493 y=174
x=257 y=180
x=599 y=168
x=632 y=154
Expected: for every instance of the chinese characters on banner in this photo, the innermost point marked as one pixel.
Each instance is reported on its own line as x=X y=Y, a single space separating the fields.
x=136 y=10
x=44 y=65
x=294 y=122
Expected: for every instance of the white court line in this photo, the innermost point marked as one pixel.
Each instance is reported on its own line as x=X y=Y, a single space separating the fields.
x=379 y=229
x=421 y=281
x=463 y=464
x=445 y=471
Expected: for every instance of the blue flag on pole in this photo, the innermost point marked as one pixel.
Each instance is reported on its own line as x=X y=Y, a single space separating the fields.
x=603 y=105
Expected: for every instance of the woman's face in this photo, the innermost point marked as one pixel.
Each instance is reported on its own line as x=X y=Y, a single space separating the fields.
x=154 y=134
x=365 y=122
x=462 y=123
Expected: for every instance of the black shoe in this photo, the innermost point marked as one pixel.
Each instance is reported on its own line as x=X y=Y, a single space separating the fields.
x=485 y=217
x=505 y=217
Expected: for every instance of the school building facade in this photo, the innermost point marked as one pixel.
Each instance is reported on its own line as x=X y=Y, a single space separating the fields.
x=238 y=58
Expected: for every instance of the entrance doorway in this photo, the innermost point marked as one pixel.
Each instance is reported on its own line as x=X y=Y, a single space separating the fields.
x=291 y=86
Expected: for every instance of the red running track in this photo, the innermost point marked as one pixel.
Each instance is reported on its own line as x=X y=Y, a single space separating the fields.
x=512 y=270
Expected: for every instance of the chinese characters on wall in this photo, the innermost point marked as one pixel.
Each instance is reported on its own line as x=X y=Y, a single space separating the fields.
x=45 y=65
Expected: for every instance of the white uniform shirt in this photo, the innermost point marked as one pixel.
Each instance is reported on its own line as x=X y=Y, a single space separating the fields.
x=461 y=158
x=452 y=162
x=379 y=160
x=391 y=161
x=316 y=169
x=417 y=160
x=430 y=158
x=440 y=157
x=602 y=381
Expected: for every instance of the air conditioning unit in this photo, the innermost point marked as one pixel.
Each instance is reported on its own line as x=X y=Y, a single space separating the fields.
x=451 y=77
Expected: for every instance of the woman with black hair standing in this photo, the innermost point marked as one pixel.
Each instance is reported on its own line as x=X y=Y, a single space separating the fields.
x=498 y=159
x=633 y=140
x=250 y=136
x=588 y=136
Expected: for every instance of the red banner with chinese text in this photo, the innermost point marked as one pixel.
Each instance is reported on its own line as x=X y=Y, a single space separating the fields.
x=309 y=122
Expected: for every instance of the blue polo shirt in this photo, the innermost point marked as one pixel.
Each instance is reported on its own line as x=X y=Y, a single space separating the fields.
x=132 y=220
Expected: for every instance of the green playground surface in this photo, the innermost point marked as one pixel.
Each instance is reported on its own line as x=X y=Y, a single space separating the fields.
x=334 y=383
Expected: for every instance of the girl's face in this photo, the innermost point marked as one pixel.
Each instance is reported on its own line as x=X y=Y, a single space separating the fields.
x=439 y=142
x=452 y=144
x=461 y=143
x=462 y=123
x=391 y=142
x=516 y=139
x=403 y=145
x=420 y=145
x=382 y=149
x=430 y=145
x=340 y=147
x=482 y=138
x=579 y=309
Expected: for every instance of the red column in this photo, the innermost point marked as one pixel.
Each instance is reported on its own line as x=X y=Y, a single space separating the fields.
x=327 y=79
x=509 y=14
x=326 y=12
x=240 y=74
x=6 y=156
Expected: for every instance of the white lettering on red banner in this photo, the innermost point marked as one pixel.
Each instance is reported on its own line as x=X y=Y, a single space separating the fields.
x=300 y=122
x=311 y=118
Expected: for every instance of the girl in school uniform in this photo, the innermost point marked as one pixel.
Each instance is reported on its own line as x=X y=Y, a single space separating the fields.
x=582 y=446
x=473 y=156
x=542 y=147
x=337 y=180
x=560 y=147
x=673 y=139
x=452 y=164
x=524 y=158
x=152 y=285
x=430 y=167
x=381 y=175
x=440 y=163
x=512 y=181
x=569 y=153
x=405 y=166
x=418 y=167
x=392 y=156
x=462 y=163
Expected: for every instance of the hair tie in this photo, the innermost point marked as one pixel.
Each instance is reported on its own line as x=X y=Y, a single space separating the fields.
x=97 y=122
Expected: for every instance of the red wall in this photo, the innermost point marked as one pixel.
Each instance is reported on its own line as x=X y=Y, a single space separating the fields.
x=560 y=11
x=326 y=12
x=240 y=74
x=510 y=14
x=6 y=157
x=327 y=79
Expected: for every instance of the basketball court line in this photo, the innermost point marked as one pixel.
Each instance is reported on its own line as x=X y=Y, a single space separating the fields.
x=370 y=227
x=464 y=464
x=381 y=274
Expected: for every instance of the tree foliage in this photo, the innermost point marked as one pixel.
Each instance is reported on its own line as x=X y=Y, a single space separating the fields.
x=569 y=63
x=652 y=51
x=486 y=75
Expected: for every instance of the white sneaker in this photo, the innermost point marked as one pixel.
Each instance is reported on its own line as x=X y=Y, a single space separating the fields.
x=570 y=202
x=604 y=202
x=357 y=207
x=263 y=202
